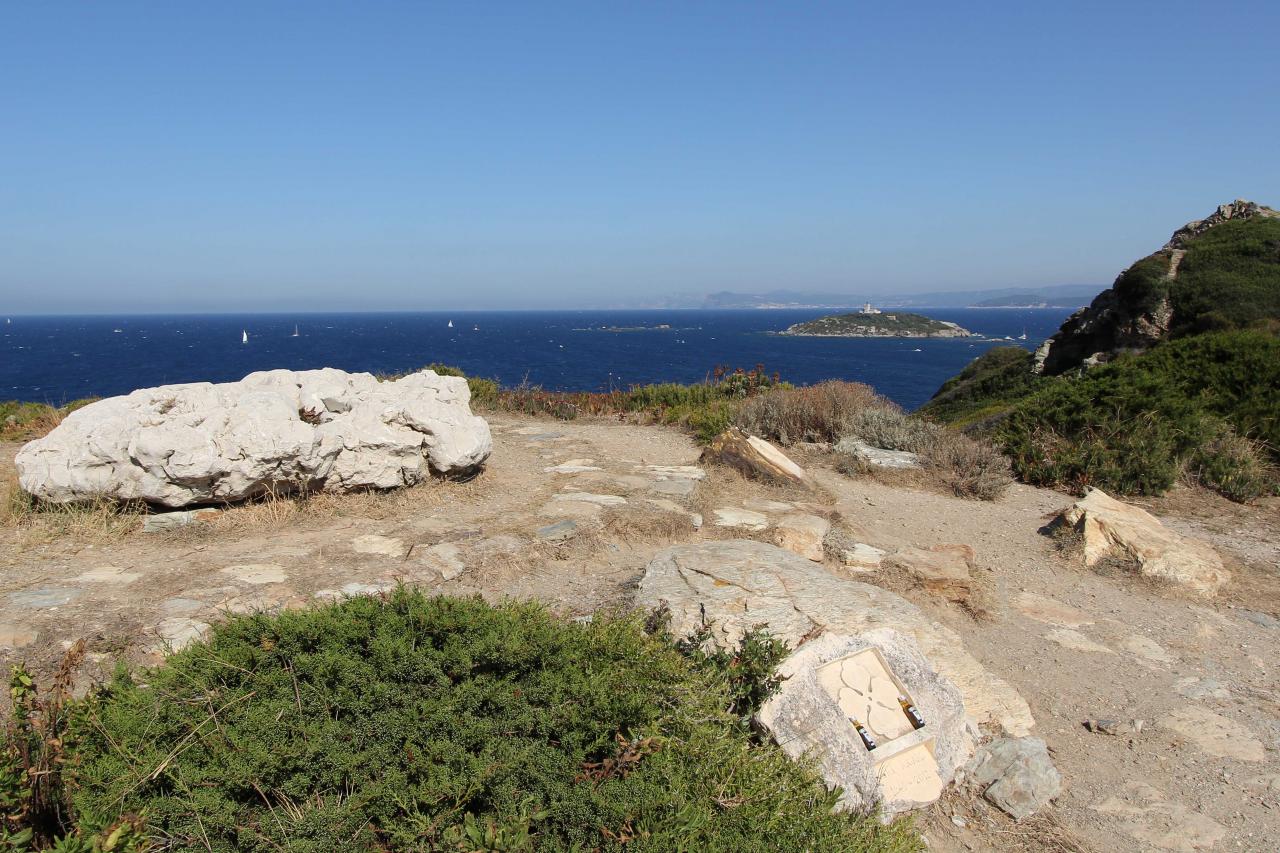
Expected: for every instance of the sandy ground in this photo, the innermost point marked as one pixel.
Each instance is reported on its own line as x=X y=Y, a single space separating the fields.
x=1200 y=771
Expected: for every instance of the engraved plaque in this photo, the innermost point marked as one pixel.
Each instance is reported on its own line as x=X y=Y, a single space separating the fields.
x=866 y=691
x=911 y=775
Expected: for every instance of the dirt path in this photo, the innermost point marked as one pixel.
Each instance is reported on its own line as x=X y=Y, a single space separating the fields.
x=570 y=513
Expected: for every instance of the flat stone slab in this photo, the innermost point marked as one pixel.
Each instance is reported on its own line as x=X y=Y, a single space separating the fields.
x=590 y=498
x=257 y=573
x=44 y=597
x=802 y=534
x=1147 y=816
x=573 y=466
x=558 y=531
x=676 y=488
x=1215 y=734
x=732 y=517
x=1076 y=641
x=372 y=543
x=675 y=472
x=1050 y=611
x=178 y=632
x=108 y=574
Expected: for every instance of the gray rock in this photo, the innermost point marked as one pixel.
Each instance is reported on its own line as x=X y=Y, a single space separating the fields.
x=877 y=456
x=277 y=431
x=909 y=767
x=1257 y=618
x=1017 y=775
x=44 y=597
x=559 y=531
x=738 y=584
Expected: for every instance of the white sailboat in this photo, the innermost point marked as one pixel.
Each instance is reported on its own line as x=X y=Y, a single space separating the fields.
x=244 y=336
x=295 y=331
x=1023 y=336
x=450 y=324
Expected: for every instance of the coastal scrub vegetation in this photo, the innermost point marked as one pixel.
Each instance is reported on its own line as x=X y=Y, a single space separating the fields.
x=1203 y=406
x=408 y=722
x=832 y=411
x=21 y=421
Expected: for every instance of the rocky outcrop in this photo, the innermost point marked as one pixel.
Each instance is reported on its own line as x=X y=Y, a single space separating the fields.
x=1238 y=209
x=1129 y=317
x=276 y=431
x=1108 y=526
x=754 y=458
x=735 y=585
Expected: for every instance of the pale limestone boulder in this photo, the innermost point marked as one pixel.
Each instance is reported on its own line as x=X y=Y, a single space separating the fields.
x=803 y=534
x=739 y=584
x=827 y=685
x=754 y=457
x=1017 y=775
x=276 y=431
x=1110 y=526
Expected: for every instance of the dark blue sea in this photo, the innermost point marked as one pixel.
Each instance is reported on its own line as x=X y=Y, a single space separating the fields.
x=56 y=359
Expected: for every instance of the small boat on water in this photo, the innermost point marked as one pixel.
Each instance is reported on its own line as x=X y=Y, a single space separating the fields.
x=244 y=336
x=1023 y=336
x=295 y=331
x=450 y=324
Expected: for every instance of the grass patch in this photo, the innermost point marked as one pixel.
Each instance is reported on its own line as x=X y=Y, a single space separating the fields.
x=415 y=723
x=21 y=421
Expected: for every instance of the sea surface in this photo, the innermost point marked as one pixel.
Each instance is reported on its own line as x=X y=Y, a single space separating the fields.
x=56 y=359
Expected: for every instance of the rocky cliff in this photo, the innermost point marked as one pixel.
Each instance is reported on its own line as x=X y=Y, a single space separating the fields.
x=1142 y=308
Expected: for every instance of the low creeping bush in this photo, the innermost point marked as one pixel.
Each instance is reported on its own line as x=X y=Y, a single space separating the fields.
x=416 y=723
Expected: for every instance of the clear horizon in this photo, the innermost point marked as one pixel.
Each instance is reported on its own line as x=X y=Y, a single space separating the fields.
x=286 y=157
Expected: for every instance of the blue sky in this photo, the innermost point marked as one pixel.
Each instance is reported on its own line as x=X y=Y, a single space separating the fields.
x=289 y=156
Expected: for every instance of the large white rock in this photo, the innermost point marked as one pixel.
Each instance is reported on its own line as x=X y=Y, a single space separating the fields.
x=276 y=430
x=832 y=681
x=1107 y=525
x=738 y=584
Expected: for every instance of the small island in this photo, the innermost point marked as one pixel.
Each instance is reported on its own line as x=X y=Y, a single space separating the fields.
x=872 y=323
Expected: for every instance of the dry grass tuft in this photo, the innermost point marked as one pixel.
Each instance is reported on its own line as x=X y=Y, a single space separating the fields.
x=822 y=412
x=969 y=468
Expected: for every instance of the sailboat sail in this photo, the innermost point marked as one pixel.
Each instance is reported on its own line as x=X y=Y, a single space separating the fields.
x=244 y=337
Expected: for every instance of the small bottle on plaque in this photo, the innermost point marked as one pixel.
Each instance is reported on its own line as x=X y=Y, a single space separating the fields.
x=867 y=740
x=913 y=713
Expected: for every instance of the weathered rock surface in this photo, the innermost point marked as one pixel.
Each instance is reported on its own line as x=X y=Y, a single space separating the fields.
x=943 y=570
x=1017 y=775
x=802 y=533
x=825 y=688
x=754 y=457
x=877 y=456
x=743 y=583
x=1108 y=525
x=273 y=431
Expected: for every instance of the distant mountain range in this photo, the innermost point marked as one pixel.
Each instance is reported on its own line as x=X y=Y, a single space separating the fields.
x=1058 y=296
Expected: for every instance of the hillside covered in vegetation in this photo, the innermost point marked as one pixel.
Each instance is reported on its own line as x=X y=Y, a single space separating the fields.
x=1174 y=371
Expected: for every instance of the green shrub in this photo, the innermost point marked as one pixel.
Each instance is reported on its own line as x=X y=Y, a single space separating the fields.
x=1234 y=467
x=1131 y=425
x=892 y=429
x=990 y=385
x=417 y=723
